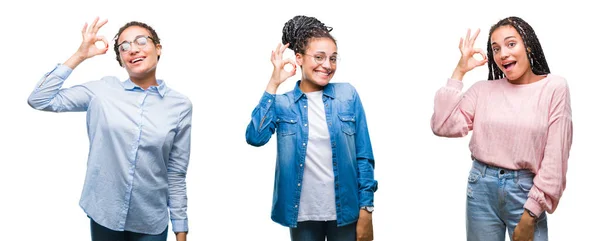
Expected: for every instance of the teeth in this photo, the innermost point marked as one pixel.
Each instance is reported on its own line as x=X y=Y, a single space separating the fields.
x=136 y=60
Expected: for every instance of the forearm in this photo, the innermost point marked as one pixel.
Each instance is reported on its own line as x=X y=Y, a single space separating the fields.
x=261 y=127
x=448 y=119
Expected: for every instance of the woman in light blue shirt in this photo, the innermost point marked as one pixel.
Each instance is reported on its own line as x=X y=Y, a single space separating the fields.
x=139 y=132
x=324 y=183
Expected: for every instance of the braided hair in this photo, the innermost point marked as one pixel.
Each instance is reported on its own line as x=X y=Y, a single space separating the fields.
x=535 y=54
x=154 y=39
x=299 y=30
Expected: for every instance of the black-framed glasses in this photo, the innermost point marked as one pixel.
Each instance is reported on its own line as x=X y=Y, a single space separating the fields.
x=321 y=57
x=140 y=41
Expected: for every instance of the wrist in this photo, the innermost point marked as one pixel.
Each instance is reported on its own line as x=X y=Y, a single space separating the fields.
x=458 y=74
x=272 y=87
x=529 y=217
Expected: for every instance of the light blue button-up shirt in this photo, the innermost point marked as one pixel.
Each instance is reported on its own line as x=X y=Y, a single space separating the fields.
x=139 y=149
x=352 y=155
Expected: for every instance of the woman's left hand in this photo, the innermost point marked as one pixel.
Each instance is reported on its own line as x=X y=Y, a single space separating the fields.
x=181 y=236
x=364 y=226
x=525 y=228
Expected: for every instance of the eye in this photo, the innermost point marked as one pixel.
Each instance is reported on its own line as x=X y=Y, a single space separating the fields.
x=125 y=46
x=319 y=58
x=142 y=40
x=495 y=49
x=333 y=59
x=512 y=44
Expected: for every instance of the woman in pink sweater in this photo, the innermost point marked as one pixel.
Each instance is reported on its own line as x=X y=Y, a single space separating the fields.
x=522 y=133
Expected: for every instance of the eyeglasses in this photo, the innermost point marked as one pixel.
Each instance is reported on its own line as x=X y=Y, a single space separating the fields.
x=320 y=58
x=140 y=41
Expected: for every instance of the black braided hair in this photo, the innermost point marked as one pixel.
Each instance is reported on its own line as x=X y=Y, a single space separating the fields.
x=154 y=39
x=299 y=30
x=535 y=54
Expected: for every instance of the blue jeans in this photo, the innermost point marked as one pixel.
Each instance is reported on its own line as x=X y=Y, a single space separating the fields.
x=100 y=233
x=318 y=230
x=495 y=199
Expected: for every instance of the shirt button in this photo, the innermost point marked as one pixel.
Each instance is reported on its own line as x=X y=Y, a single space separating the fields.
x=296 y=206
x=304 y=106
x=298 y=184
x=300 y=164
x=305 y=124
x=269 y=101
x=304 y=144
x=335 y=163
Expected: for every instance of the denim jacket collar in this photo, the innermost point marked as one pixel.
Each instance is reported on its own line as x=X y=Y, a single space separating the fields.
x=328 y=91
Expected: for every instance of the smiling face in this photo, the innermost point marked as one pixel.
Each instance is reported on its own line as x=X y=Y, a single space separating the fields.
x=318 y=64
x=140 y=59
x=510 y=53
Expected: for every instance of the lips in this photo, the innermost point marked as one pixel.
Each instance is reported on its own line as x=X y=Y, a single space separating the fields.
x=136 y=60
x=509 y=65
x=325 y=74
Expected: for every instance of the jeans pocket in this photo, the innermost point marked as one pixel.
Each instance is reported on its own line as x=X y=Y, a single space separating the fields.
x=525 y=183
x=474 y=177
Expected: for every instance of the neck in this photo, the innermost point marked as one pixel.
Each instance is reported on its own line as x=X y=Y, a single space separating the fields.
x=306 y=86
x=145 y=81
x=527 y=78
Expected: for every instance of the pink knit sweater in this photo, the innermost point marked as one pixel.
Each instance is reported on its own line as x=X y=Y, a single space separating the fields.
x=514 y=127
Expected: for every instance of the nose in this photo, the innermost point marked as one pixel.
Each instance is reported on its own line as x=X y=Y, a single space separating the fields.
x=504 y=53
x=326 y=63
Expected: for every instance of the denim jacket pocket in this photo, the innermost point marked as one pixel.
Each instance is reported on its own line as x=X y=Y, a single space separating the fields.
x=287 y=125
x=348 y=122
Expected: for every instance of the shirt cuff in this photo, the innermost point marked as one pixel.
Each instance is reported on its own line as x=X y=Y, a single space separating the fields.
x=454 y=84
x=61 y=71
x=366 y=198
x=267 y=100
x=534 y=207
x=179 y=225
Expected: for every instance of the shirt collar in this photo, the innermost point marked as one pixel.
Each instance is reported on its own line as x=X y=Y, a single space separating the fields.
x=161 y=88
x=328 y=91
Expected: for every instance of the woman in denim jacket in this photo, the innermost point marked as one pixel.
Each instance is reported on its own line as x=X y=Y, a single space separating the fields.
x=324 y=184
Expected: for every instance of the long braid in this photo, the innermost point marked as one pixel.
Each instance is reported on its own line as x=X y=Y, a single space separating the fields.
x=535 y=53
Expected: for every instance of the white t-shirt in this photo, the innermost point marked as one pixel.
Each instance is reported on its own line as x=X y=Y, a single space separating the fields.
x=317 y=199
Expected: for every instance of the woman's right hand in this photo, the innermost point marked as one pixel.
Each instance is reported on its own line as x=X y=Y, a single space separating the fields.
x=88 y=47
x=467 y=61
x=279 y=73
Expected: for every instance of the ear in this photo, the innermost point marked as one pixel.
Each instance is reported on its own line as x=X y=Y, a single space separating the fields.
x=158 y=49
x=299 y=59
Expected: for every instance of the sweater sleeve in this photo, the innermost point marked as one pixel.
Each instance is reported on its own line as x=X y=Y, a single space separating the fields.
x=453 y=111
x=550 y=180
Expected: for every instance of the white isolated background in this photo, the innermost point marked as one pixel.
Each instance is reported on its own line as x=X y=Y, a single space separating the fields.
x=397 y=54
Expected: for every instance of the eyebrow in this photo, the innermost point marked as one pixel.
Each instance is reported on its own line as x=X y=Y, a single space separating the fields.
x=141 y=35
x=323 y=52
x=505 y=39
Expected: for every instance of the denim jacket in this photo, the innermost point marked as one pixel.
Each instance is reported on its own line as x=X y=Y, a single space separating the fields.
x=353 y=161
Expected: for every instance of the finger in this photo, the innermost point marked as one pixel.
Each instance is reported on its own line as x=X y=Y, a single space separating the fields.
x=284 y=47
x=103 y=39
x=272 y=56
x=84 y=29
x=468 y=37
x=460 y=44
x=93 y=25
x=474 y=37
x=101 y=24
x=483 y=56
x=288 y=61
